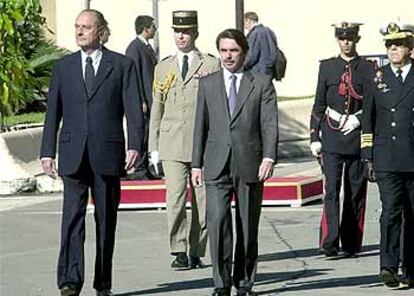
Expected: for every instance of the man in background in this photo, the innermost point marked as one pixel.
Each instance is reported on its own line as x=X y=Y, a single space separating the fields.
x=262 y=45
x=145 y=59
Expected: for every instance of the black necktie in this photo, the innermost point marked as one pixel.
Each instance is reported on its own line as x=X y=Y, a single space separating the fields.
x=89 y=75
x=184 y=69
x=399 y=76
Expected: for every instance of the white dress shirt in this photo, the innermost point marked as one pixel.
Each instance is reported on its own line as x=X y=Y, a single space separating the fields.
x=227 y=80
x=405 y=69
x=96 y=60
x=180 y=56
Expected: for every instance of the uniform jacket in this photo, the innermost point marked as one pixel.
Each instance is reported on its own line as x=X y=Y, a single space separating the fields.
x=95 y=121
x=173 y=109
x=388 y=122
x=330 y=72
x=145 y=60
x=250 y=135
x=262 y=52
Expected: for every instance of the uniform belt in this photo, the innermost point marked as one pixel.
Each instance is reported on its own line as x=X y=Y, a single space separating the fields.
x=335 y=115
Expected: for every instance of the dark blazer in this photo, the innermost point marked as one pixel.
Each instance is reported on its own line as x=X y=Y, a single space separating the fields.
x=262 y=52
x=250 y=135
x=389 y=121
x=95 y=121
x=145 y=60
x=329 y=78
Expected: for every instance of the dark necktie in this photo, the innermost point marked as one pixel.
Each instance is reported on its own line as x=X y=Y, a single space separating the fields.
x=184 y=69
x=399 y=76
x=232 y=94
x=89 y=75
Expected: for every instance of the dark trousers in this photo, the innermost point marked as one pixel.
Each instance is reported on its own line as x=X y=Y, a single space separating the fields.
x=141 y=170
x=106 y=194
x=219 y=194
x=397 y=199
x=351 y=227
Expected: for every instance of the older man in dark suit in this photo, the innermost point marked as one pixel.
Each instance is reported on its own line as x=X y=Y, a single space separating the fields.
x=90 y=92
x=235 y=140
x=145 y=59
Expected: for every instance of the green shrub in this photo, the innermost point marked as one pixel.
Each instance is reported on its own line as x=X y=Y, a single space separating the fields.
x=26 y=57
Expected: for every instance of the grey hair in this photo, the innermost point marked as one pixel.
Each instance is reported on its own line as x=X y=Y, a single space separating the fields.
x=102 y=25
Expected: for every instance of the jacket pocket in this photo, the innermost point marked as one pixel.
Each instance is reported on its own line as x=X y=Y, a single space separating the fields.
x=165 y=127
x=64 y=137
x=114 y=138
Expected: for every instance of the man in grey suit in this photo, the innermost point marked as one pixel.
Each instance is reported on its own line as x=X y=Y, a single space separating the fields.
x=235 y=140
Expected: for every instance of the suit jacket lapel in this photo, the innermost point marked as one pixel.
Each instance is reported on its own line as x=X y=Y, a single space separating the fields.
x=246 y=87
x=222 y=94
x=76 y=64
x=408 y=84
x=105 y=67
x=195 y=65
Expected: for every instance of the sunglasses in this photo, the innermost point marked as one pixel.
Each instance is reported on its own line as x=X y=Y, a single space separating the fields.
x=396 y=42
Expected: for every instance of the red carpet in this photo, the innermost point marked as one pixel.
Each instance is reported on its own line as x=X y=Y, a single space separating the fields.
x=293 y=191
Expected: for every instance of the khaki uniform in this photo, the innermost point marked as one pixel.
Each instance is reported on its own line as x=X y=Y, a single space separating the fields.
x=171 y=134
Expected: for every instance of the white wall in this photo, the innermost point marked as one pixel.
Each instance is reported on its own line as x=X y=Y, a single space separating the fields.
x=303 y=27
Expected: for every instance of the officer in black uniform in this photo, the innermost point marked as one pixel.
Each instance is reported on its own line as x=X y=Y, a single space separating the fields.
x=335 y=139
x=388 y=151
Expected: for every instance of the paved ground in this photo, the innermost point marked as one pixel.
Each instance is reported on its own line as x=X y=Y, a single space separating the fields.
x=289 y=263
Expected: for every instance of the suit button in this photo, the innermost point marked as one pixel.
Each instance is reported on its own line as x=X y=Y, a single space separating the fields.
x=394 y=138
x=392 y=124
x=413 y=109
x=392 y=109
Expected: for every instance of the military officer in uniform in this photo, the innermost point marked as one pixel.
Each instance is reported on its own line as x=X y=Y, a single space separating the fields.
x=335 y=139
x=388 y=151
x=171 y=137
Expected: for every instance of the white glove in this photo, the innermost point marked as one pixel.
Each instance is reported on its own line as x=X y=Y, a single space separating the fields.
x=351 y=124
x=154 y=159
x=316 y=148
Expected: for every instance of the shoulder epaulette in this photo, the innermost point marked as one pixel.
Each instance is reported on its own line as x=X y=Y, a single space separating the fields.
x=326 y=60
x=211 y=55
x=167 y=57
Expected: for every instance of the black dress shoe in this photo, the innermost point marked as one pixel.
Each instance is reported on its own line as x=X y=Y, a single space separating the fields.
x=347 y=254
x=329 y=252
x=406 y=282
x=389 y=277
x=195 y=262
x=69 y=291
x=243 y=292
x=180 y=261
x=104 y=292
x=221 y=292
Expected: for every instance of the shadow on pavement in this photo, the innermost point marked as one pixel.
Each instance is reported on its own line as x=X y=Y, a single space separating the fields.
x=369 y=250
x=368 y=281
x=261 y=279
